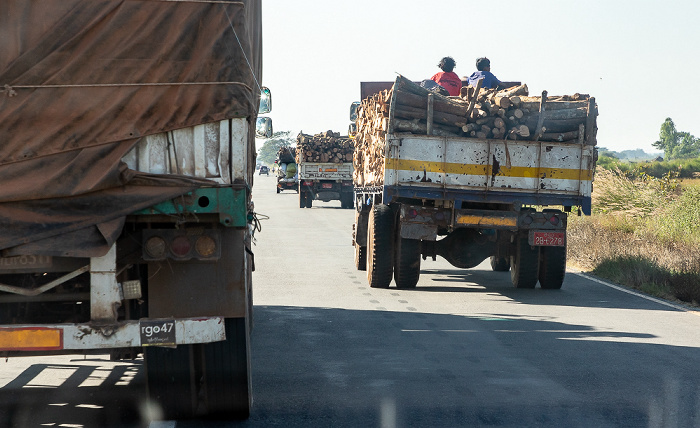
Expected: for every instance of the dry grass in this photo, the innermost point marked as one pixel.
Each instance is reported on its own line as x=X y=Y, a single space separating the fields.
x=642 y=235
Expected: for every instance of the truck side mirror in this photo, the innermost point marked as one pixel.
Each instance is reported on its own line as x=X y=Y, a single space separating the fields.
x=263 y=127
x=353 y=111
x=265 y=101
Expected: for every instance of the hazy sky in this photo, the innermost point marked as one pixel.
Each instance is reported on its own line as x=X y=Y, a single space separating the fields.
x=639 y=59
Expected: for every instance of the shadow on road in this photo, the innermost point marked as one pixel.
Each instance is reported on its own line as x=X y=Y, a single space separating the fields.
x=329 y=367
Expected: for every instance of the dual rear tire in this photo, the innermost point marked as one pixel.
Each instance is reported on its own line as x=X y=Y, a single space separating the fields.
x=209 y=380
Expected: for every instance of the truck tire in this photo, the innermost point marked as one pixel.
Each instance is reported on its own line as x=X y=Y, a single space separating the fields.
x=309 y=199
x=407 y=253
x=552 y=267
x=524 y=264
x=500 y=264
x=347 y=200
x=226 y=373
x=302 y=199
x=211 y=380
x=278 y=189
x=360 y=257
x=169 y=381
x=380 y=243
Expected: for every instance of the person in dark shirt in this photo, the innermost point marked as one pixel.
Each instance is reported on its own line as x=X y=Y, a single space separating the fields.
x=483 y=67
x=447 y=78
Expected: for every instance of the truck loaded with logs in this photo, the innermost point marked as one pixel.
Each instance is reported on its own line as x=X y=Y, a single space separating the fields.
x=287 y=174
x=325 y=168
x=489 y=174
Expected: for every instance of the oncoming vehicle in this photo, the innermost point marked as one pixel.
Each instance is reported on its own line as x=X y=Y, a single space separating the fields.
x=264 y=170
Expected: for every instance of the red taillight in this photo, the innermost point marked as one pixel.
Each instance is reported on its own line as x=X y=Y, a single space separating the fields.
x=554 y=220
x=180 y=246
x=412 y=213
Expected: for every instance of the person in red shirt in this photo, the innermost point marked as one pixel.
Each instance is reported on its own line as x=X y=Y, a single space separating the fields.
x=447 y=78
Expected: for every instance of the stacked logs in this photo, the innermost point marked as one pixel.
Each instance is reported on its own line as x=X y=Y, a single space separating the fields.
x=485 y=114
x=512 y=114
x=326 y=147
x=286 y=154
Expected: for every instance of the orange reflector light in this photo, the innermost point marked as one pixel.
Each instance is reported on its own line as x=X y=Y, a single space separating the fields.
x=205 y=246
x=31 y=339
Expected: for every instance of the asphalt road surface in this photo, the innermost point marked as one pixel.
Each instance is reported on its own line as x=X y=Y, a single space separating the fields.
x=463 y=349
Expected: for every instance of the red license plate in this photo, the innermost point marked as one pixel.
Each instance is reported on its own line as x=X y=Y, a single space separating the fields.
x=547 y=239
x=327 y=185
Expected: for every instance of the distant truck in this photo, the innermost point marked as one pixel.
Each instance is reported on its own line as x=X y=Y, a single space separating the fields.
x=127 y=158
x=325 y=169
x=287 y=172
x=425 y=188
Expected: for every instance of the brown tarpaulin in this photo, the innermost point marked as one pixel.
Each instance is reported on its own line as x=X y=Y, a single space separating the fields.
x=82 y=80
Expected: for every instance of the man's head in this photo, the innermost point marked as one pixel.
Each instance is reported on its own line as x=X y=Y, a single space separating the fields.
x=483 y=64
x=447 y=64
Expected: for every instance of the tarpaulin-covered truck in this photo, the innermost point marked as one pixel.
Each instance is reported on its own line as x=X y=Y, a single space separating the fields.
x=127 y=153
x=493 y=174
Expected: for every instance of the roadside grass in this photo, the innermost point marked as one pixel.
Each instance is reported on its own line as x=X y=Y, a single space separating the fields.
x=644 y=233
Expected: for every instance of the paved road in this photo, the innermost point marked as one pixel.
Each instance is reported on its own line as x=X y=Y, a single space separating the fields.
x=463 y=349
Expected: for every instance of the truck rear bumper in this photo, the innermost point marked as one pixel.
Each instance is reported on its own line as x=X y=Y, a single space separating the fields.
x=127 y=334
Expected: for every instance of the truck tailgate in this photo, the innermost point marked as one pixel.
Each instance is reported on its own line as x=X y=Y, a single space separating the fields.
x=489 y=165
x=325 y=171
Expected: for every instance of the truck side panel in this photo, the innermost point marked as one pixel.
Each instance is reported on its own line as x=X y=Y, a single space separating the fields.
x=199 y=151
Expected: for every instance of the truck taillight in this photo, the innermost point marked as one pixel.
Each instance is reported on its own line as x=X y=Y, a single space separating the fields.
x=180 y=246
x=199 y=244
x=155 y=247
x=412 y=213
x=554 y=220
x=205 y=246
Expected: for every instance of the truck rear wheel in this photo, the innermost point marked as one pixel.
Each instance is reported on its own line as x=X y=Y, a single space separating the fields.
x=407 y=262
x=500 y=264
x=169 y=380
x=380 y=254
x=309 y=199
x=226 y=369
x=210 y=380
x=302 y=199
x=360 y=257
x=347 y=200
x=552 y=267
x=524 y=265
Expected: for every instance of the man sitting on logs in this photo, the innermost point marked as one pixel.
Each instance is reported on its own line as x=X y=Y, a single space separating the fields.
x=483 y=67
x=447 y=78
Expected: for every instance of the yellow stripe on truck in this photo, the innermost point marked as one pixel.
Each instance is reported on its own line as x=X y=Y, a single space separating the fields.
x=477 y=220
x=481 y=170
x=28 y=339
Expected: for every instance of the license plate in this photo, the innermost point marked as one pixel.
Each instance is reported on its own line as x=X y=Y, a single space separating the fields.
x=327 y=185
x=25 y=262
x=158 y=333
x=547 y=239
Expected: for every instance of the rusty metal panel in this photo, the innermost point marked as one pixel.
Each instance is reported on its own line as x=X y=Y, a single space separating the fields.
x=490 y=165
x=202 y=151
x=201 y=288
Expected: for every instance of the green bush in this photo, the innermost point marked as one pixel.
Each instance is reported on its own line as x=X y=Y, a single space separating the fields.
x=680 y=221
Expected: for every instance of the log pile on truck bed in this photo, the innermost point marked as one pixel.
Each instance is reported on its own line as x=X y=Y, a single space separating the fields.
x=508 y=114
x=326 y=147
x=286 y=154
